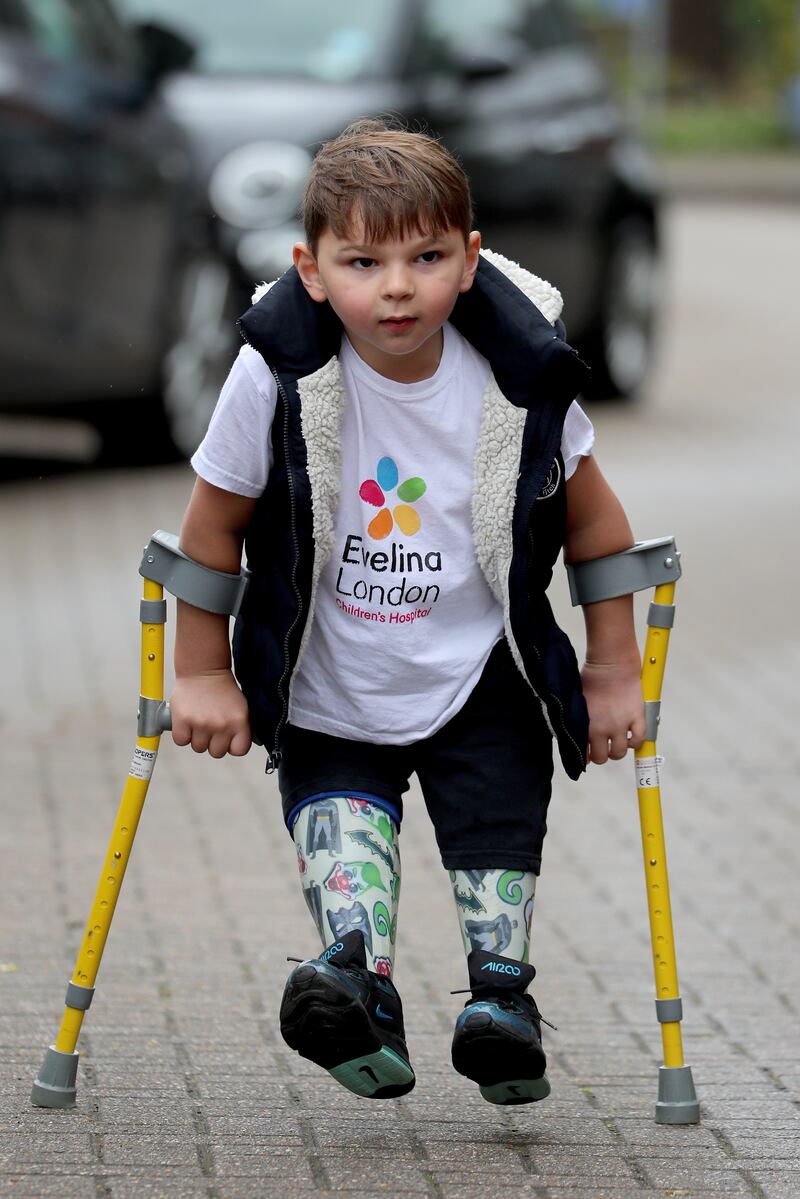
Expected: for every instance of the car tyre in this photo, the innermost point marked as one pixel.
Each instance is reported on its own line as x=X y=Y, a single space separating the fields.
x=143 y=438
x=620 y=347
x=204 y=345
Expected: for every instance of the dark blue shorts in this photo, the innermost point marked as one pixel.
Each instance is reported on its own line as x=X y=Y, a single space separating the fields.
x=486 y=775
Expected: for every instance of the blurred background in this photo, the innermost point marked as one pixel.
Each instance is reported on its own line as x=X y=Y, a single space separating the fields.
x=152 y=157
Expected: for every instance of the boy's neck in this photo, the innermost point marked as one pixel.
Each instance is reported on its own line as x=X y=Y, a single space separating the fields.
x=415 y=367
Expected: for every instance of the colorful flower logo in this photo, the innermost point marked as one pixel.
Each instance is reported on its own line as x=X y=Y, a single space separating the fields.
x=373 y=491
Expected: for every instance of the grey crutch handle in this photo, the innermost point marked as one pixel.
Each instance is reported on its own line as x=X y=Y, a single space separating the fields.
x=164 y=562
x=645 y=564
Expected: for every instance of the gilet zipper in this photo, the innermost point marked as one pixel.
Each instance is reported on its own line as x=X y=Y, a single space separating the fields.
x=554 y=698
x=274 y=754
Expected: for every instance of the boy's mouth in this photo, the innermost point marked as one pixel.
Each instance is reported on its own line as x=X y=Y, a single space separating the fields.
x=398 y=323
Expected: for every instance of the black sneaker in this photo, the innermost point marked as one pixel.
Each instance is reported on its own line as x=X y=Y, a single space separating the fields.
x=498 y=1037
x=348 y=1020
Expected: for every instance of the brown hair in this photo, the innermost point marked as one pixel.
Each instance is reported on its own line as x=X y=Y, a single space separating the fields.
x=394 y=181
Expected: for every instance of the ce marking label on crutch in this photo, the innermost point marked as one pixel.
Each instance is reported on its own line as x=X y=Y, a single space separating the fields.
x=648 y=771
x=143 y=762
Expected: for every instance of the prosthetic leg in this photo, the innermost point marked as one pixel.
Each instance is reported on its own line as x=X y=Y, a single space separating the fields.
x=163 y=565
x=651 y=564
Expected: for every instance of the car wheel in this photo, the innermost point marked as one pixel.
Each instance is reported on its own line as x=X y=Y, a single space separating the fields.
x=205 y=343
x=135 y=436
x=620 y=347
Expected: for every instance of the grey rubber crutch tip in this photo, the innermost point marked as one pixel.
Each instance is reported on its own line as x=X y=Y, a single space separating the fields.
x=55 y=1086
x=677 y=1101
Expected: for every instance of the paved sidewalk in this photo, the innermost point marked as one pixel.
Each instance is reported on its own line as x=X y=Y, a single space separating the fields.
x=766 y=177
x=186 y=1090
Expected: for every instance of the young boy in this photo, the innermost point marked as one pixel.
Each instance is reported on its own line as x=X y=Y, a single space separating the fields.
x=398 y=448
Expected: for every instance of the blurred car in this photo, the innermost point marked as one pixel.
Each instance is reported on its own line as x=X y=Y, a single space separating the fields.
x=560 y=184
x=96 y=198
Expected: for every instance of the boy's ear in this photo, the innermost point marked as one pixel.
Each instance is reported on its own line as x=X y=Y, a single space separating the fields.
x=306 y=266
x=472 y=258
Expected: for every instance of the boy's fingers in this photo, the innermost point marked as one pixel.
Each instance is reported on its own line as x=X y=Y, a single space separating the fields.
x=219 y=744
x=181 y=731
x=619 y=746
x=240 y=743
x=200 y=740
x=638 y=728
x=598 y=750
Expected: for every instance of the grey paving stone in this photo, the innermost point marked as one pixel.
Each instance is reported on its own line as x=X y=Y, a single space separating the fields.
x=775 y=1184
x=149 y=1188
x=21 y=1186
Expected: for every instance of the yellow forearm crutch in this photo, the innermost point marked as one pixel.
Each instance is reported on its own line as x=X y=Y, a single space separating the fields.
x=651 y=564
x=163 y=566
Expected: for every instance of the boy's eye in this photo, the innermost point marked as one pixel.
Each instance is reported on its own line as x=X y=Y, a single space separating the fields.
x=430 y=256
x=362 y=264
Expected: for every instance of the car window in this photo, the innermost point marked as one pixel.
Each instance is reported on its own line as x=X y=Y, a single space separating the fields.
x=548 y=24
x=79 y=29
x=338 y=41
x=450 y=28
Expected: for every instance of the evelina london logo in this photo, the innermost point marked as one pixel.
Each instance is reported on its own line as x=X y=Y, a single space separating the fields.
x=404 y=515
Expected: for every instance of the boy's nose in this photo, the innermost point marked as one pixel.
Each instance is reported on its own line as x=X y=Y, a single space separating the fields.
x=397 y=282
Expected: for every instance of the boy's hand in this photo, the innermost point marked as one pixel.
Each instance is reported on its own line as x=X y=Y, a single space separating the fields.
x=210 y=713
x=613 y=693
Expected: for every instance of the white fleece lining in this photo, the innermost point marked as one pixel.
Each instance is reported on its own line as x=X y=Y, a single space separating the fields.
x=322 y=401
x=541 y=293
x=497 y=456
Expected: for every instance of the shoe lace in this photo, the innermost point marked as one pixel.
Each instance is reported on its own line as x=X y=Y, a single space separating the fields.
x=356 y=972
x=510 y=1001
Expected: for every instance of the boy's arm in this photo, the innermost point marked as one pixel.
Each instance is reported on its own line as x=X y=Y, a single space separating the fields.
x=596 y=526
x=208 y=709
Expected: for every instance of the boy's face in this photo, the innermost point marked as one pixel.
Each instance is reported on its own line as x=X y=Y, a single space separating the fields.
x=392 y=296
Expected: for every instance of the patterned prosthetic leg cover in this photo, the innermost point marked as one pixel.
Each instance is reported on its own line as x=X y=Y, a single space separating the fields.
x=495 y=908
x=349 y=864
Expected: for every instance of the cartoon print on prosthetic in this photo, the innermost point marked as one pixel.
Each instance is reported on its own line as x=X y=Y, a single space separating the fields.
x=499 y=919
x=350 y=920
x=335 y=885
x=367 y=841
x=467 y=901
x=384 y=922
x=313 y=898
x=354 y=879
x=492 y=935
x=380 y=822
x=475 y=878
x=323 y=828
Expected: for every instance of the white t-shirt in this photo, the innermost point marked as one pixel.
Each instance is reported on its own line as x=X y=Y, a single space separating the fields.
x=404 y=619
